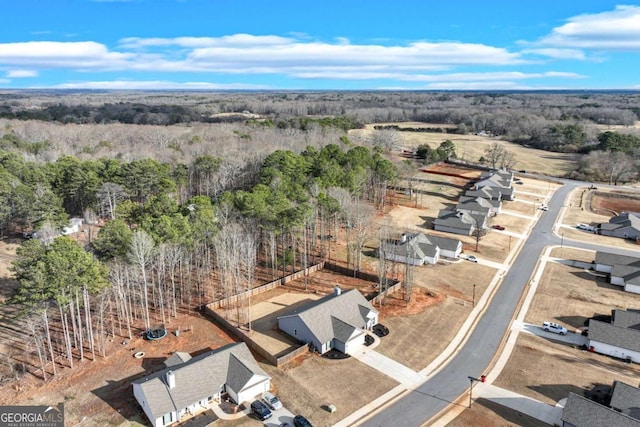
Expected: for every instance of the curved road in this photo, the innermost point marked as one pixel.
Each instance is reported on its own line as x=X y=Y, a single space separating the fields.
x=426 y=401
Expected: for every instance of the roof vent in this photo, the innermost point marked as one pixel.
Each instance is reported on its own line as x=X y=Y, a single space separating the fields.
x=171 y=379
x=336 y=290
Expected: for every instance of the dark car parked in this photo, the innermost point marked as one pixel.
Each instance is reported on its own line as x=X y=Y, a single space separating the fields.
x=261 y=410
x=300 y=421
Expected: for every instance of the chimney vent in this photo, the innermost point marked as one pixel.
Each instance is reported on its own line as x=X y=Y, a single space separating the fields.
x=171 y=379
x=336 y=290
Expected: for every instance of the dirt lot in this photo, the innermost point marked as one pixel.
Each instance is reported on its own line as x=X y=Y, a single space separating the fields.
x=594 y=207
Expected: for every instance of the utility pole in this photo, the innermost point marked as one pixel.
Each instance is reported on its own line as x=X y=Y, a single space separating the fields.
x=474 y=295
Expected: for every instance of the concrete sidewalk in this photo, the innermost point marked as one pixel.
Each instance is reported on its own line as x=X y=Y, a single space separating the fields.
x=534 y=408
x=404 y=375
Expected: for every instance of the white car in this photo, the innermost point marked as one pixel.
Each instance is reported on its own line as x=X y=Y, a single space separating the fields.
x=544 y=208
x=554 y=327
x=585 y=227
x=271 y=400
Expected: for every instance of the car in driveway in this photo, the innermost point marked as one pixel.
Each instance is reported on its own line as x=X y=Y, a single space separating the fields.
x=497 y=227
x=554 y=327
x=472 y=258
x=300 y=421
x=271 y=400
x=260 y=410
x=585 y=227
x=544 y=208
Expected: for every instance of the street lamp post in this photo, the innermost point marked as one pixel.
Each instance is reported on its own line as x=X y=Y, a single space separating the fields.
x=474 y=295
x=562 y=239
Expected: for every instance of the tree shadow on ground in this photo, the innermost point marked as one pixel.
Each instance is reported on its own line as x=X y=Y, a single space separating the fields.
x=557 y=392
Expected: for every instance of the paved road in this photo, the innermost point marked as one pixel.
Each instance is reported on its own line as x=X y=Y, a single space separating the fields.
x=426 y=401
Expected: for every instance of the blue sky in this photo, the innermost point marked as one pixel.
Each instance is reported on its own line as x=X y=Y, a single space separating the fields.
x=320 y=45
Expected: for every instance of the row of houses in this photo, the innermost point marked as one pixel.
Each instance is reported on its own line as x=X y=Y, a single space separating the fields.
x=482 y=201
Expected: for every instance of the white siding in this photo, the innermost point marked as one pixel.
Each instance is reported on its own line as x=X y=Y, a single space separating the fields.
x=603 y=268
x=615 y=280
x=635 y=289
x=614 y=351
x=293 y=326
x=249 y=394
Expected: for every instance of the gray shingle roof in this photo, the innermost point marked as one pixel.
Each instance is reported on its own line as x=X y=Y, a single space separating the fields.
x=447 y=218
x=626 y=319
x=349 y=307
x=607 y=258
x=626 y=398
x=582 y=412
x=487 y=203
x=199 y=378
x=614 y=335
x=177 y=358
x=420 y=245
x=485 y=193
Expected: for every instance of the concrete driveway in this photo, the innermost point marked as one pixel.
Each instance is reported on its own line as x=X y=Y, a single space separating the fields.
x=570 y=338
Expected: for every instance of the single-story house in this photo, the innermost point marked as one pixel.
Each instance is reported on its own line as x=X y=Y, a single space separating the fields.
x=620 y=338
x=621 y=412
x=489 y=193
x=459 y=222
x=420 y=248
x=500 y=179
x=336 y=321
x=622 y=270
x=188 y=388
x=625 y=226
x=493 y=205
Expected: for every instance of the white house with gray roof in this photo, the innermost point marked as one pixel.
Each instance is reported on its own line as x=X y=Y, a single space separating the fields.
x=188 y=388
x=623 y=270
x=420 y=248
x=620 y=338
x=459 y=222
x=498 y=179
x=336 y=321
x=626 y=226
x=623 y=410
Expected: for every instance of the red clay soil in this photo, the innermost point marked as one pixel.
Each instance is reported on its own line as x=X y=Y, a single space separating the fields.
x=615 y=202
x=100 y=390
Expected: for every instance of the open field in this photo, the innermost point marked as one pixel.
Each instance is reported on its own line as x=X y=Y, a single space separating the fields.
x=471 y=147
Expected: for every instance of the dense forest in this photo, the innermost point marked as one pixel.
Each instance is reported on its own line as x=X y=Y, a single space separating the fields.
x=554 y=121
x=196 y=197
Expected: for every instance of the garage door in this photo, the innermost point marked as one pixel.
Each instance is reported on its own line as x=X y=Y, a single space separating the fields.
x=354 y=344
x=250 y=394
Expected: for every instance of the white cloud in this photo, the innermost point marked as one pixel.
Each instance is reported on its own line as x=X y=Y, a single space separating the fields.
x=159 y=85
x=234 y=40
x=21 y=73
x=618 y=29
x=449 y=77
x=74 y=55
x=557 y=53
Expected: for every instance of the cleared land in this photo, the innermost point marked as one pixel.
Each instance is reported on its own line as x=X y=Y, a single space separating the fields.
x=472 y=147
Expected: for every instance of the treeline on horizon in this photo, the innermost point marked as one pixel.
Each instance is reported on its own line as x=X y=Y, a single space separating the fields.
x=552 y=121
